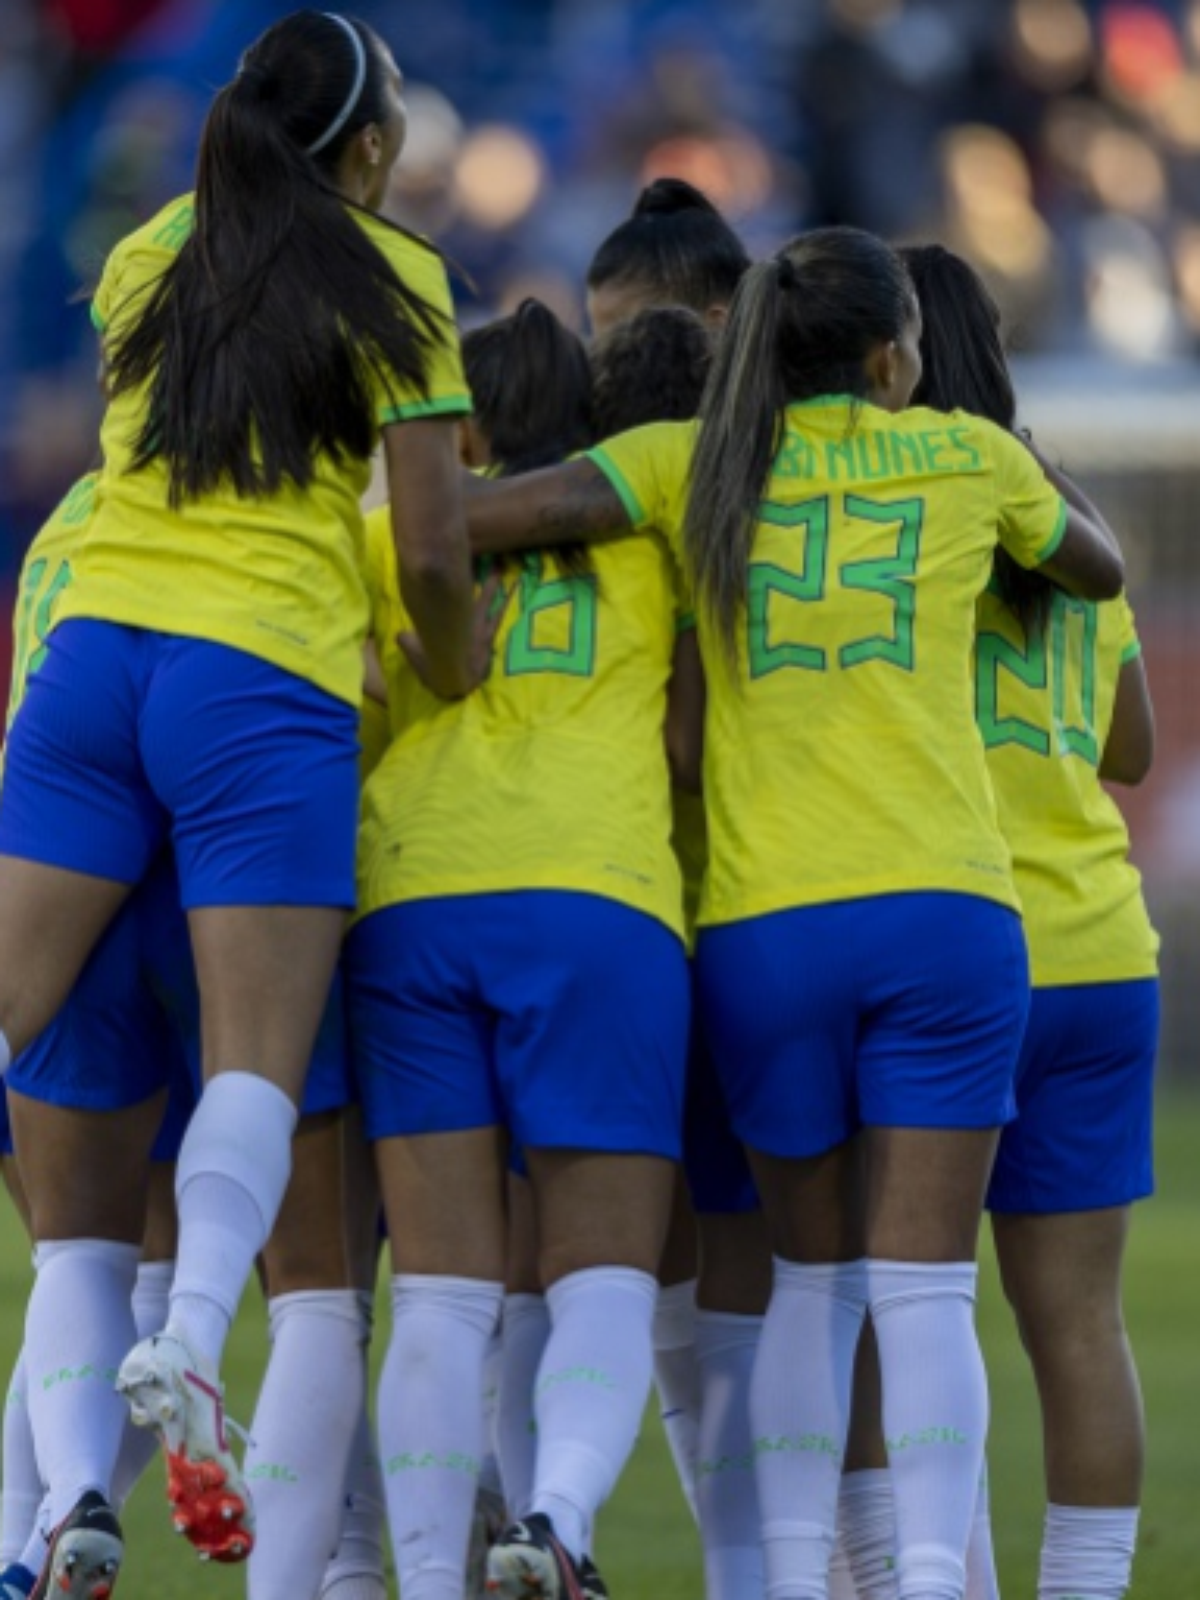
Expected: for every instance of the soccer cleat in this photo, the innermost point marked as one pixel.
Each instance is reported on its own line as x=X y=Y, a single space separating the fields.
x=487 y=1524
x=210 y=1503
x=592 y=1584
x=527 y=1562
x=85 y=1553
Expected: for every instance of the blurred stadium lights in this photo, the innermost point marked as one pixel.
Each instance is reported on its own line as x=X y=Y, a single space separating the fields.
x=423 y=191
x=501 y=174
x=1187 y=272
x=863 y=15
x=1126 y=173
x=1175 y=109
x=1053 y=40
x=733 y=168
x=990 y=202
x=1128 y=289
x=1141 y=50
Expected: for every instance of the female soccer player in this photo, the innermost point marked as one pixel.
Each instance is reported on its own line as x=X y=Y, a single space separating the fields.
x=205 y=669
x=860 y=957
x=677 y=250
x=652 y=368
x=1062 y=703
x=518 y=969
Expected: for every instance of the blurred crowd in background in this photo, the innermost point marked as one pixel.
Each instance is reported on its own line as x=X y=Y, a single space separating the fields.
x=1057 y=142
x=1054 y=142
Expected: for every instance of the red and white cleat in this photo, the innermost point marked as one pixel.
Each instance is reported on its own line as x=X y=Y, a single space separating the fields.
x=166 y=1391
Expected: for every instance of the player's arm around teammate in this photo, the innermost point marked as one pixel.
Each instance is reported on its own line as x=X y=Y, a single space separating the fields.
x=204 y=674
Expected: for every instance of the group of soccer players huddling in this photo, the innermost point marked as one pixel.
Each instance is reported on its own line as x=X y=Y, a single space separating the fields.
x=658 y=864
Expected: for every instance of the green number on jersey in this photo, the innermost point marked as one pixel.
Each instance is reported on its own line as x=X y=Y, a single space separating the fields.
x=569 y=605
x=768 y=580
x=1069 y=639
x=890 y=576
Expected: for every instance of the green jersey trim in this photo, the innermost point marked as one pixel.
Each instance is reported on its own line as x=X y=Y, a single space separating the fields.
x=625 y=493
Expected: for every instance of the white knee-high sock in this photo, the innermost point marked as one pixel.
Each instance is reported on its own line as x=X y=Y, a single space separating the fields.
x=356 y=1570
x=524 y=1332
x=5 y=1054
x=23 y=1488
x=489 y=1466
x=1087 y=1552
x=935 y=1414
x=841 y=1579
x=312 y=1396
x=983 y=1583
x=677 y=1379
x=431 y=1425
x=867 y=1531
x=151 y=1293
x=78 y=1329
x=726 y=1492
x=799 y=1413
x=232 y=1173
x=591 y=1391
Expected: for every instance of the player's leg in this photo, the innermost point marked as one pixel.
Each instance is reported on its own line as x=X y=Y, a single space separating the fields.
x=355 y=1570
x=590 y=1049
x=777 y=1002
x=313 y=1390
x=948 y=998
x=258 y=771
x=80 y=1322
x=1069 y=1168
x=676 y=1369
x=525 y=1327
x=733 y=1291
x=1062 y=1275
x=423 y=1056
x=22 y=1488
x=78 y=823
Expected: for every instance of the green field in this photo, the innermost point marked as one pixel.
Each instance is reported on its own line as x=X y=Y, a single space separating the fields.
x=647 y=1547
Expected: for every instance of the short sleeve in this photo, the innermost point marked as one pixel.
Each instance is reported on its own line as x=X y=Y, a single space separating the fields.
x=649 y=469
x=446 y=391
x=1127 y=638
x=102 y=300
x=137 y=262
x=1031 y=513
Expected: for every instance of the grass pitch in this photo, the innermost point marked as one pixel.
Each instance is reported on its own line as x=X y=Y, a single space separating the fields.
x=647 y=1548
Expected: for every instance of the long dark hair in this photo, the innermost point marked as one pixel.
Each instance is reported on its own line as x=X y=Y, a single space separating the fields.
x=966 y=369
x=801 y=325
x=676 y=245
x=267 y=338
x=531 y=385
x=651 y=368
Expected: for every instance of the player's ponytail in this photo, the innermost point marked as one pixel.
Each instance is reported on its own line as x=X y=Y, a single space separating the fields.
x=675 y=248
x=965 y=368
x=267 y=338
x=531 y=385
x=802 y=325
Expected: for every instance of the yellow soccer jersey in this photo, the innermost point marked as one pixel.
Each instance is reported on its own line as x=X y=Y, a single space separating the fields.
x=553 y=774
x=1045 y=706
x=278 y=577
x=841 y=758
x=47 y=571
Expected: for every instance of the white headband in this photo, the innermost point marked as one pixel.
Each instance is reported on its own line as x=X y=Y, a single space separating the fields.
x=360 y=75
